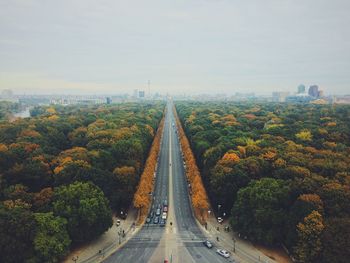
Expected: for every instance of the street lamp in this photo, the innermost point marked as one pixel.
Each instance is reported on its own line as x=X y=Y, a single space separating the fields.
x=234 y=245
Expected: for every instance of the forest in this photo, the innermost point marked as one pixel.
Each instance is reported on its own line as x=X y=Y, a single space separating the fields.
x=279 y=172
x=65 y=170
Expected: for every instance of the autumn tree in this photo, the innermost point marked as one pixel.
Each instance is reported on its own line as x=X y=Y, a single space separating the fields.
x=309 y=244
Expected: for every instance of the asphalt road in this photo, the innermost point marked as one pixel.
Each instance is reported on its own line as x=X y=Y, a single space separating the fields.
x=152 y=241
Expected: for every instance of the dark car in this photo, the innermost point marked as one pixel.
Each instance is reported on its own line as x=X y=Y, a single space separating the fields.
x=148 y=220
x=162 y=222
x=208 y=244
x=158 y=212
x=156 y=220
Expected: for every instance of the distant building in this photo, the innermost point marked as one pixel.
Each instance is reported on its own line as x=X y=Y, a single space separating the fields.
x=313 y=91
x=136 y=93
x=279 y=96
x=141 y=94
x=108 y=100
x=301 y=88
x=299 y=98
x=320 y=93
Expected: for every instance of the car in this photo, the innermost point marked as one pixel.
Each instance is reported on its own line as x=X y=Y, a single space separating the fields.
x=165 y=209
x=208 y=244
x=164 y=215
x=158 y=212
x=156 y=220
x=151 y=215
x=223 y=252
x=117 y=223
x=165 y=203
x=220 y=220
x=162 y=222
x=148 y=220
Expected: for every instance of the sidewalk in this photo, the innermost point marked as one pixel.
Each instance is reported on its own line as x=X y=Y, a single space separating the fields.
x=240 y=249
x=107 y=243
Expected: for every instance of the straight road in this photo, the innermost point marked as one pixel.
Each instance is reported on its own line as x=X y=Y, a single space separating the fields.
x=180 y=241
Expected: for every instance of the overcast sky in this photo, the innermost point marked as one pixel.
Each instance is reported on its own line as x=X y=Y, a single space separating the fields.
x=189 y=46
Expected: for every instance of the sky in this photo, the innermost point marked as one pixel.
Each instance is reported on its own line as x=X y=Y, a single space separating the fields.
x=181 y=46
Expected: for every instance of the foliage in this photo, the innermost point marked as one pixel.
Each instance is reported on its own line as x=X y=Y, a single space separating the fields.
x=142 y=197
x=309 y=243
x=17 y=231
x=305 y=146
x=260 y=210
x=199 y=196
x=85 y=208
x=51 y=240
x=59 y=147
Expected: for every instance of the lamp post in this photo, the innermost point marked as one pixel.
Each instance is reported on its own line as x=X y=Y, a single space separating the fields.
x=234 y=245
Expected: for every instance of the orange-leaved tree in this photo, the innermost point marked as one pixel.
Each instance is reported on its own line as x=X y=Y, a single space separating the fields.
x=142 y=197
x=199 y=196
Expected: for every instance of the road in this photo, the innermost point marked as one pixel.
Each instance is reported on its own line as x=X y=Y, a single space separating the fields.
x=180 y=241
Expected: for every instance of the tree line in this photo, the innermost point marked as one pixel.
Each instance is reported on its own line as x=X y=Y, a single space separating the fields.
x=65 y=170
x=144 y=192
x=199 y=196
x=280 y=172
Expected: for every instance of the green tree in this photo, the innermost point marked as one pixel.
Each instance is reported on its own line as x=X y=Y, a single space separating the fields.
x=51 y=240
x=86 y=209
x=260 y=210
x=336 y=241
x=17 y=231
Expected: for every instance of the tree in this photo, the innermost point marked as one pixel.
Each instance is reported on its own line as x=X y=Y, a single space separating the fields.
x=335 y=241
x=303 y=206
x=85 y=208
x=309 y=243
x=304 y=135
x=51 y=240
x=17 y=231
x=260 y=210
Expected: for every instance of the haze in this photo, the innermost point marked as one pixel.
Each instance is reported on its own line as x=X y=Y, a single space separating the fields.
x=191 y=46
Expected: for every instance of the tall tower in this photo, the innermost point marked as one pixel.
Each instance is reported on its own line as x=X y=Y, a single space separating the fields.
x=149 y=88
x=313 y=91
x=301 y=89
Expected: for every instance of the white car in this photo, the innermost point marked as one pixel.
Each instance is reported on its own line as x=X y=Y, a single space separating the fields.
x=164 y=215
x=223 y=252
x=220 y=220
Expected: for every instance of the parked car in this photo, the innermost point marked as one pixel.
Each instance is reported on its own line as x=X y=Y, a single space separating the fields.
x=158 y=212
x=220 y=220
x=148 y=220
x=164 y=215
x=208 y=244
x=156 y=220
x=117 y=223
x=162 y=222
x=223 y=252
x=165 y=209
